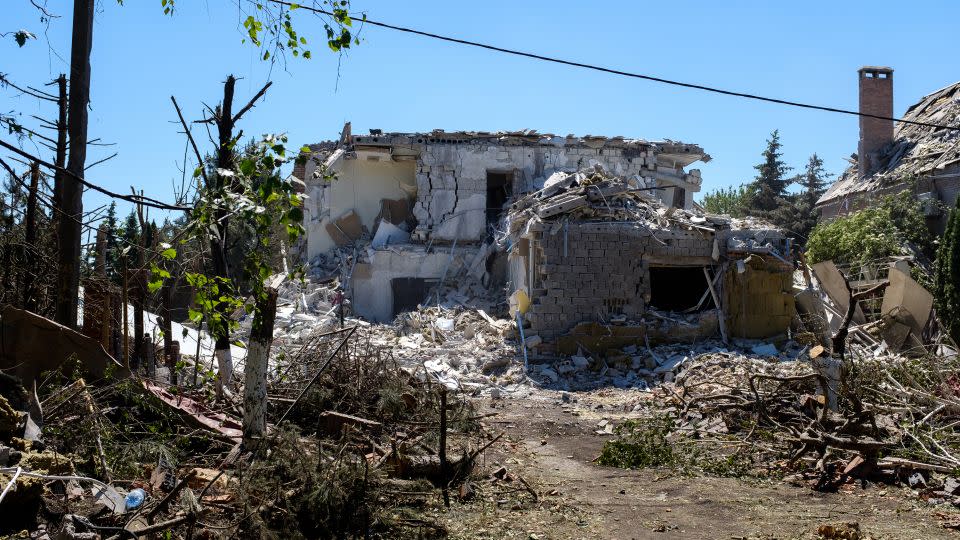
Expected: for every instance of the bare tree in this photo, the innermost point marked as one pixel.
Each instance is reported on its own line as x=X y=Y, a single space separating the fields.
x=71 y=193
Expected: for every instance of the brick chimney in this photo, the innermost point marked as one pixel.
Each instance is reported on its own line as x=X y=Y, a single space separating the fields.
x=876 y=97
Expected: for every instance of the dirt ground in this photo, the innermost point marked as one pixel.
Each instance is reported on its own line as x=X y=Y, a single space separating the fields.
x=551 y=445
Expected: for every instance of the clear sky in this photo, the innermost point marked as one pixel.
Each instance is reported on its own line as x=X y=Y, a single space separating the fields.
x=804 y=51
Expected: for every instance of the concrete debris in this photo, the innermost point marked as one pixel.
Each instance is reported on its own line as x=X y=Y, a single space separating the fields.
x=602 y=255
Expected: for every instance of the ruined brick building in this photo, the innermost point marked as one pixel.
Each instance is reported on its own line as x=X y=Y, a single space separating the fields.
x=890 y=159
x=575 y=230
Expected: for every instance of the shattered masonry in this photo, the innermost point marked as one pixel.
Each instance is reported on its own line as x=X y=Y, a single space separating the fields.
x=617 y=255
x=575 y=230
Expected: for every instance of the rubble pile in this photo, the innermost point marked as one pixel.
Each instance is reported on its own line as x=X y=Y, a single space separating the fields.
x=596 y=195
x=460 y=347
x=892 y=419
x=647 y=368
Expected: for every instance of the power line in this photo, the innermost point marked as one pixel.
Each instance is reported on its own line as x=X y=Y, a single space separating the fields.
x=135 y=199
x=623 y=73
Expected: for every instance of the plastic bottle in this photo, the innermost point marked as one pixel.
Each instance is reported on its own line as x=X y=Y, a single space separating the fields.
x=134 y=498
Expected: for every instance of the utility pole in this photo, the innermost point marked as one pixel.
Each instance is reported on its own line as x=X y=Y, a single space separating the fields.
x=71 y=201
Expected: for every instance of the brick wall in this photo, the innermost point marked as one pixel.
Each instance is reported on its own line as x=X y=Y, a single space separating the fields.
x=876 y=97
x=587 y=272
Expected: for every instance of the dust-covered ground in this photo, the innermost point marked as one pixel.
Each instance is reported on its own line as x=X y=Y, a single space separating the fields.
x=550 y=446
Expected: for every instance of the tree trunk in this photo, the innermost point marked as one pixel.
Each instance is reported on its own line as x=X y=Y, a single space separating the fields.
x=61 y=158
x=30 y=239
x=166 y=298
x=255 y=372
x=68 y=278
x=225 y=159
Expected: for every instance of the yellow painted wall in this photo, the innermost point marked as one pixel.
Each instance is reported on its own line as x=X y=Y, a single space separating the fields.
x=759 y=303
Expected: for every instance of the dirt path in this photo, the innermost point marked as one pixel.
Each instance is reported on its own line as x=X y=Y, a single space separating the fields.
x=551 y=445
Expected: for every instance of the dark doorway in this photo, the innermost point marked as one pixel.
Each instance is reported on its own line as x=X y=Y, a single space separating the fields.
x=408 y=293
x=678 y=288
x=499 y=191
x=679 y=198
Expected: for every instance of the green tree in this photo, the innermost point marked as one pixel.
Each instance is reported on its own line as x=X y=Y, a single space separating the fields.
x=771 y=182
x=730 y=201
x=881 y=230
x=130 y=236
x=814 y=183
x=946 y=275
x=797 y=212
x=112 y=227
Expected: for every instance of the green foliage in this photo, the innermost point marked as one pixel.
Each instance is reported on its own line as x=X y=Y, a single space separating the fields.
x=273 y=30
x=215 y=298
x=771 y=181
x=730 y=201
x=653 y=442
x=766 y=196
x=872 y=233
x=259 y=201
x=947 y=275
x=641 y=444
x=803 y=215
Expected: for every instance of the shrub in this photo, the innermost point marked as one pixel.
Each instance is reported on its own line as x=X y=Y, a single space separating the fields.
x=872 y=233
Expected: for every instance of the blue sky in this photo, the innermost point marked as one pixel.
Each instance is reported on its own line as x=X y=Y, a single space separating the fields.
x=807 y=51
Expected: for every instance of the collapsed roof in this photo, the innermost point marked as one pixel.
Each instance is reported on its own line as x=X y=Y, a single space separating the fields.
x=674 y=153
x=916 y=150
x=596 y=195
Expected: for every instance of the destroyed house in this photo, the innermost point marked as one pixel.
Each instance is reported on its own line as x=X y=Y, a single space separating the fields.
x=891 y=159
x=574 y=230
x=601 y=263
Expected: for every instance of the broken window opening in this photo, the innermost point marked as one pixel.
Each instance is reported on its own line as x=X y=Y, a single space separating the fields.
x=679 y=197
x=499 y=191
x=679 y=288
x=408 y=293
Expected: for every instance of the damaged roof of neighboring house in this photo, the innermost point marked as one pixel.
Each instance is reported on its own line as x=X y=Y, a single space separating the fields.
x=916 y=150
x=679 y=153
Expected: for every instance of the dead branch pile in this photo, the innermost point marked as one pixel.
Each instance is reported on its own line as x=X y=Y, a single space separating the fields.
x=355 y=439
x=893 y=416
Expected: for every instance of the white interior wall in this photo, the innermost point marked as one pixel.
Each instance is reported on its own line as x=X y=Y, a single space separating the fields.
x=452 y=179
x=360 y=186
x=371 y=288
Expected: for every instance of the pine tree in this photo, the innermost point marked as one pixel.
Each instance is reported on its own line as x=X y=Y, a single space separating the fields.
x=814 y=182
x=113 y=260
x=130 y=235
x=771 y=182
x=947 y=275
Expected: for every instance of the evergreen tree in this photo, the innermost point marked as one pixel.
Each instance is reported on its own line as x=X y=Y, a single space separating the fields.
x=113 y=239
x=130 y=238
x=798 y=212
x=814 y=181
x=947 y=275
x=771 y=182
